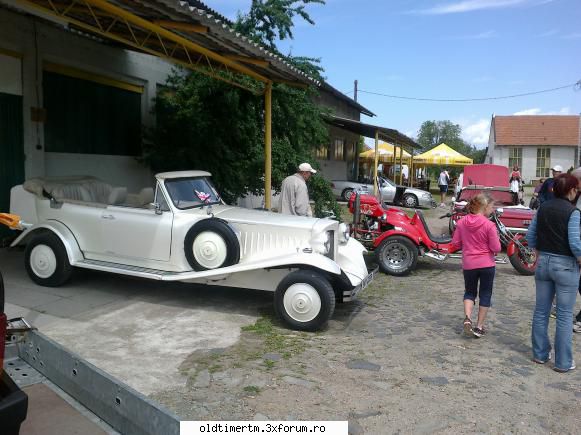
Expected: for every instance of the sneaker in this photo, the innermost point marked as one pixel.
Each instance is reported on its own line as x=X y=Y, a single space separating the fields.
x=540 y=361
x=467 y=326
x=577 y=327
x=478 y=332
x=573 y=367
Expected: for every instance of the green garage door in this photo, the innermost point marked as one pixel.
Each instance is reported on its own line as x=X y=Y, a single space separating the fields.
x=11 y=150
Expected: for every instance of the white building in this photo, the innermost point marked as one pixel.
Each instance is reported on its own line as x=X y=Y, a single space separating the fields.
x=535 y=143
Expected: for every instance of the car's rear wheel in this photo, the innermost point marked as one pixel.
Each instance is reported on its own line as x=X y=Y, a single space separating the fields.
x=304 y=300
x=410 y=200
x=347 y=194
x=397 y=255
x=46 y=260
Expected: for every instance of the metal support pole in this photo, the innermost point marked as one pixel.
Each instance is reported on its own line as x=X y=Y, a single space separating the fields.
x=267 y=145
x=376 y=162
x=355 y=90
x=400 y=164
x=411 y=177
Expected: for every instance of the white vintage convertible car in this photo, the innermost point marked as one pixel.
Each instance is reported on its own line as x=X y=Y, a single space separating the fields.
x=183 y=231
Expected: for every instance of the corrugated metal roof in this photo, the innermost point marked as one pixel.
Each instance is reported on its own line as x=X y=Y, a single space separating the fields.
x=368 y=130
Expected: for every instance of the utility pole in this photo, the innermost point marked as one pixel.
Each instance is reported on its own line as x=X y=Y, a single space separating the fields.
x=355 y=90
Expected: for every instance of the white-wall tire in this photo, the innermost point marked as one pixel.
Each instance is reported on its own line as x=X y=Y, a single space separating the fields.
x=304 y=300
x=46 y=260
x=211 y=244
x=43 y=261
x=209 y=249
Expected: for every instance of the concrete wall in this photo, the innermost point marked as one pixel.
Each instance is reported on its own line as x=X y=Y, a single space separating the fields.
x=57 y=45
x=560 y=155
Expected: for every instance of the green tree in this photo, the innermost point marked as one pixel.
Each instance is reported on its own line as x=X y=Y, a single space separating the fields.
x=433 y=133
x=269 y=20
x=208 y=124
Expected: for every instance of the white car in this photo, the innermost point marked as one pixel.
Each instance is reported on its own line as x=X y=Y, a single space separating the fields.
x=390 y=193
x=183 y=231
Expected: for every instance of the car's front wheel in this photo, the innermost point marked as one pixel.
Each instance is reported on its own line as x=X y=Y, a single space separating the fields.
x=304 y=300
x=410 y=200
x=46 y=260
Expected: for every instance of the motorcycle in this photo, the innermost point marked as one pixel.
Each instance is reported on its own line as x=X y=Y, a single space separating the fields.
x=398 y=240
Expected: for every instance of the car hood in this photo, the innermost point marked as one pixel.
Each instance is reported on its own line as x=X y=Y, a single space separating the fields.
x=259 y=217
x=414 y=190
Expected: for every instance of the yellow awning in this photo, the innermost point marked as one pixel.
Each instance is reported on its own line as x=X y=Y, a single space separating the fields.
x=386 y=151
x=442 y=155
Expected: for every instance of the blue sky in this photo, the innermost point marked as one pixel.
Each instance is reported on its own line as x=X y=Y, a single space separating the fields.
x=444 y=49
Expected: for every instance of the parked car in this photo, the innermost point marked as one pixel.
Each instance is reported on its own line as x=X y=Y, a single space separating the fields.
x=183 y=231
x=390 y=192
x=492 y=180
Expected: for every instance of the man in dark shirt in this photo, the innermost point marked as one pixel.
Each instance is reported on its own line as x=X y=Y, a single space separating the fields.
x=546 y=192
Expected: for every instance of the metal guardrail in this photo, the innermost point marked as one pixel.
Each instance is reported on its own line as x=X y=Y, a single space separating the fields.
x=123 y=408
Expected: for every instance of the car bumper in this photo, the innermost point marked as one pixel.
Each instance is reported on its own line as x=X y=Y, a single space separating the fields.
x=426 y=202
x=349 y=295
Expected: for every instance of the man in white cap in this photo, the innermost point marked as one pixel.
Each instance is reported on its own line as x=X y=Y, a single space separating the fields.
x=294 y=196
x=546 y=192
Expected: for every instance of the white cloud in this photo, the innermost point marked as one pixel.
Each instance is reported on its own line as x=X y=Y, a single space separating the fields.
x=477 y=133
x=476 y=5
x=576 y=35
x=533 y=111
x=538 y=111
x=482 y=35
x=548 y=33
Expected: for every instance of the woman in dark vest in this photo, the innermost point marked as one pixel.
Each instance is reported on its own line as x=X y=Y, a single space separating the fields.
x=554 y=232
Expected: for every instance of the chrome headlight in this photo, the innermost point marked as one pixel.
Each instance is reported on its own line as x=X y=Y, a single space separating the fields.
x=344 y=233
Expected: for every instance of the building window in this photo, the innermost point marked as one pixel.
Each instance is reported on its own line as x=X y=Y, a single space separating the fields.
x=543 y=162
x=514 y=157
x=351 y=151
x=323 y=152
x=338 y=149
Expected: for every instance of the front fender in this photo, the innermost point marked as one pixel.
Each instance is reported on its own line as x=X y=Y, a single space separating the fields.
x=291 y=261
x=63 y=233
x=511 y=248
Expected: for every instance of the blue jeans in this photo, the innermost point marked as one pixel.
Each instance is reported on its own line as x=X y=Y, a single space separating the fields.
x=555 y=274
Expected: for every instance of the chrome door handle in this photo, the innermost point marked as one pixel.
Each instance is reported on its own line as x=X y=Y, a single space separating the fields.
x=108 y=216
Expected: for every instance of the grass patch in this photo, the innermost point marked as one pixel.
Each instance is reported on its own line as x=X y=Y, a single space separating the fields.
x=252 y=389
x=275 y=340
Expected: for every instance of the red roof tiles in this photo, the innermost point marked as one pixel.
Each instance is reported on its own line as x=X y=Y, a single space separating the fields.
x=537 y=130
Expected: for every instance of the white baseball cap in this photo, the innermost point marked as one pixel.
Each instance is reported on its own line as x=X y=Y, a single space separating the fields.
x=306 y=167
x=557 y=168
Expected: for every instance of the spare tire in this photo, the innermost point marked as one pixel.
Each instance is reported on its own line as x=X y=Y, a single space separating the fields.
x=211 y=244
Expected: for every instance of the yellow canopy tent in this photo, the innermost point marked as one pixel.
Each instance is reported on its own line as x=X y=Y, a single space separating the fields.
x=442 y=155
x=386 y=154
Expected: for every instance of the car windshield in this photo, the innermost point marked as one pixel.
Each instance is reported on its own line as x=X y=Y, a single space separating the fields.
x=191 y=192
x=386 y=180
x=500 y=197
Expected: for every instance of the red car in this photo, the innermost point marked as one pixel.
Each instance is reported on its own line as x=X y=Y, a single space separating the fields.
x=494 y=181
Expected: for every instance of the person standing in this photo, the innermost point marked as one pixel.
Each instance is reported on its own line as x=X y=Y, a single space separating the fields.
x=443 y=181
x=534 y=203
x=557 y=274
x=546 y=191
x=294 y=195
x=478 y=239
x=577 y=203
x=516 y=183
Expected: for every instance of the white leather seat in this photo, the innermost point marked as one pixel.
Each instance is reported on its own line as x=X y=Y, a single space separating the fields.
x=75 y=192
x=146 y=195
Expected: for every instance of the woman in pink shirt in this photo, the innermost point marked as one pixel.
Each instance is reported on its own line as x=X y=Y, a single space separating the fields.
x=478 y=239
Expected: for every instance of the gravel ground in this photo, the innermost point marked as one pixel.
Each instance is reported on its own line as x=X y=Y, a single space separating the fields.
x=395 y=360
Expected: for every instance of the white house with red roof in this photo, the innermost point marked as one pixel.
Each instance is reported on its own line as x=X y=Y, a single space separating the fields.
x=536 y=143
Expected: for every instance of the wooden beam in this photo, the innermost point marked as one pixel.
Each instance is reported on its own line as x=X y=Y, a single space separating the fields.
x=178 y=25
x=268 y=146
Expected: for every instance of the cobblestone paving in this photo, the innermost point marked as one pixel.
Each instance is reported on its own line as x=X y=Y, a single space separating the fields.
x=395 y=360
